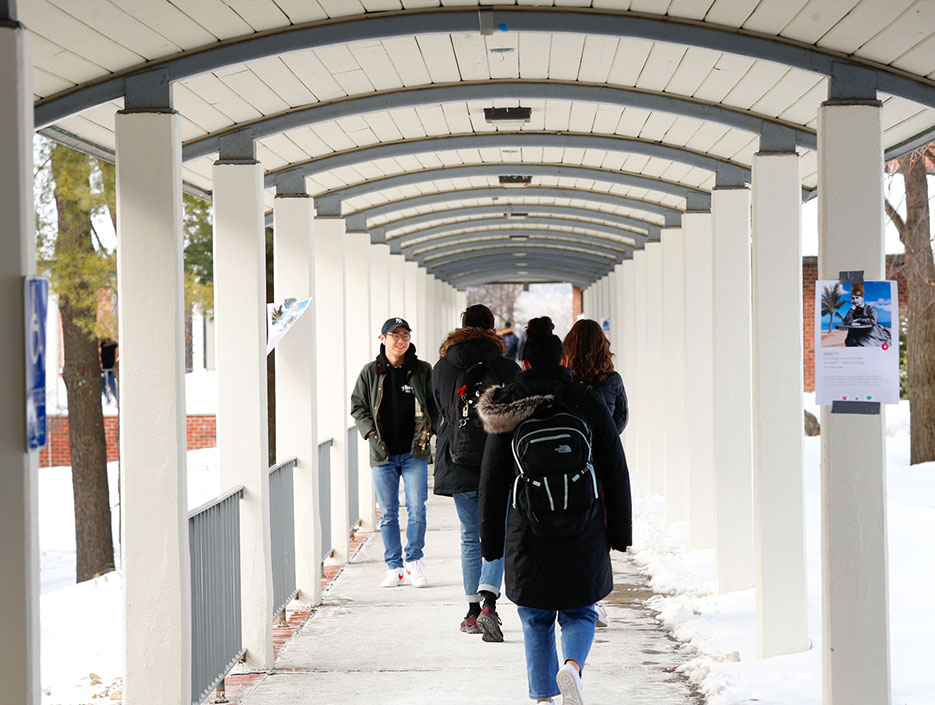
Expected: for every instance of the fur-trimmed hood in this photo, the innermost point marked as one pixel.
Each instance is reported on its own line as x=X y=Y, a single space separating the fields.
x=469 y=334
x=504 y=415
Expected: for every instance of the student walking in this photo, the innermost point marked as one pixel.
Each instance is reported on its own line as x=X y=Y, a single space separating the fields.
x=553 y=444
x=471 y=359
x=394 y=410
x=591 y=362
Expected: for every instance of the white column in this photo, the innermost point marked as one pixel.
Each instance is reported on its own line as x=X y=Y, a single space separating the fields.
x=52 y=347
x=673 y=387
x=779 y=496
x=334 y=397
x=242 y=434
x=410 y=295
x=157 y=603
x=296 y=385
x=198 y=341
x=654 y=400
x=360 y=350
x=19 y=504
x=460 y=305
x=855 y=640
x=733 y=396
x=379 y=255
x=397 y=282
x=626 y=300
x=699 y=375
x=638 y=409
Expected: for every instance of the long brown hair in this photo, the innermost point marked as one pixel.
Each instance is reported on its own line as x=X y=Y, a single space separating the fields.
x=588 y=351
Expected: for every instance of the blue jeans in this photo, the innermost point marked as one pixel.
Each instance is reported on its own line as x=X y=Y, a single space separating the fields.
x=539 y=639
x=477 y=573
x=415 y=475
x=109 y=379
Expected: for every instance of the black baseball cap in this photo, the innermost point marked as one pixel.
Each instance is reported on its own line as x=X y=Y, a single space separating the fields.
x=393 y=324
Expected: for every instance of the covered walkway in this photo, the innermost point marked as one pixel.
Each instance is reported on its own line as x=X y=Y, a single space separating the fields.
x=654 y=152
x=401 y=645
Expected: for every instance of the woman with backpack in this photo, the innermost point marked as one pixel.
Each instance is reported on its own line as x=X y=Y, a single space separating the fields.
x=591 y=363
x=470 y=360
x=553 y=445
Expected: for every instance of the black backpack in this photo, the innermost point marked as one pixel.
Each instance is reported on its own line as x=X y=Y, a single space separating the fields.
x=468 y=437
x=555 y=489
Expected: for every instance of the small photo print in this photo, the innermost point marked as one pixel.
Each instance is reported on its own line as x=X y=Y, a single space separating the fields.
x=857 y=315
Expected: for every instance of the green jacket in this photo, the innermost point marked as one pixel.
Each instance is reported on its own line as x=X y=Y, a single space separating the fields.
x=368 y=393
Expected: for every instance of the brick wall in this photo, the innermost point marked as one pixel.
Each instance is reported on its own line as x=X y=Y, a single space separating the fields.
x=201 y=434
x=894 y=270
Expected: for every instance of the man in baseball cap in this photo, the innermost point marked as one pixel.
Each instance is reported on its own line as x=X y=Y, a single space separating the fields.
x=395 y=412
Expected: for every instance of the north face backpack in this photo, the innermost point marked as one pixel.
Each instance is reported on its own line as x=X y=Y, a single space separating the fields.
x=467 y=433
x=555 y=488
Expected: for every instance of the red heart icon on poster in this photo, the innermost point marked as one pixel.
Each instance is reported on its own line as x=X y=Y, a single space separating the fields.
x=886 y=346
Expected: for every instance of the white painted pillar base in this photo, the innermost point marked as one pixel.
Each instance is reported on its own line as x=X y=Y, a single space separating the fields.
x=654 y=400
x=779 y=496
x=153 y=441
x=19 y=503
x=296 y=385
x=638 y=409
x=855 y=641
x=359 y=352
x=242 y=433
x=733 y=396
x=333 y=395
x=699 y=376
x=673 y=387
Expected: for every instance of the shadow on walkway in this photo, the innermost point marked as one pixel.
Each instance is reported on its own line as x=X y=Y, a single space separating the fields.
x=402 y=645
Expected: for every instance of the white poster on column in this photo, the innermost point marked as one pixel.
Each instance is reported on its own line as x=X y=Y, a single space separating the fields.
x=280 y=318
x=856 y=342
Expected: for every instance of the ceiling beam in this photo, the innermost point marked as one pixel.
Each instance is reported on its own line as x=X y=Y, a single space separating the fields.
x=533 y=244
x=417 y=96
x=507 y=214
x=465 y=239
x=377 y=26
x=697 y=199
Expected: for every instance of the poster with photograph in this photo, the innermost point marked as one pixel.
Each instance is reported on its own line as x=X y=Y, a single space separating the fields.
x=280 y=318
x=856 y=342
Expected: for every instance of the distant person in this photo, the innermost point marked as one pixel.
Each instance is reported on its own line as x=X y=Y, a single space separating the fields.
x=393 y=407
x=108 y=351
x=511 y=340
x=591 y=363
x=862 y=323
x=471 y=359
x=543 y=430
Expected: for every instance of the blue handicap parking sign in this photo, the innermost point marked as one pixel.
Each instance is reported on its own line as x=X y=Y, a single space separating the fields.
x=37 y=302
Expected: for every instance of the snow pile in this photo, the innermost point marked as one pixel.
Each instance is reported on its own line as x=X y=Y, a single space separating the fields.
x=721 y=629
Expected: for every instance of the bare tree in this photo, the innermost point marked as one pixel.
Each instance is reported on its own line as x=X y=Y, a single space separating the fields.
x=919 y=269
x=499 y=298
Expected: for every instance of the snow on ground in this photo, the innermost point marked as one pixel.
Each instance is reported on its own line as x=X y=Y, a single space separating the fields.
x=722 y=628
x=81 y=624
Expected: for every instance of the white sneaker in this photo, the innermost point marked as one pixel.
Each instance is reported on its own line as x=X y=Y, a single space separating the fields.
x=416 y=576
x=569 y=683
x=602 y=620
x=393 y=577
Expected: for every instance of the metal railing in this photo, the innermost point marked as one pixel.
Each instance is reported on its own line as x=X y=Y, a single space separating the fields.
x=324 y=495
x=282 y=533
x=214 y=544
x=353 y=500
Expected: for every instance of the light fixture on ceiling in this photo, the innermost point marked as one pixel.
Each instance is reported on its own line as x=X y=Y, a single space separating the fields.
x=510 y=213
x=510 y=118
x=515 y=180
x=519 y=237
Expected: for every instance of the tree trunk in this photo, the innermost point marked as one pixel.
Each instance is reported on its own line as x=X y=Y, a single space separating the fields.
x=82 y=374
x=920 y=282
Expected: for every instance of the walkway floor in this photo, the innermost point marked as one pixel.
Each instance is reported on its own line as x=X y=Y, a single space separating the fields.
x=395 y=646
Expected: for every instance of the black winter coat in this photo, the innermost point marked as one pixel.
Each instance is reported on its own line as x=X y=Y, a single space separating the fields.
x=462 y=348
x=551 y=573
x=614 y=396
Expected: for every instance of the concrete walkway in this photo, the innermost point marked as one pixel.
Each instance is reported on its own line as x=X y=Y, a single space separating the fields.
x=395 y=646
